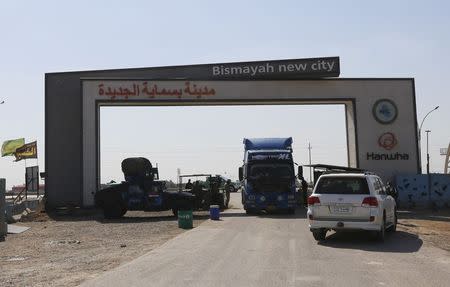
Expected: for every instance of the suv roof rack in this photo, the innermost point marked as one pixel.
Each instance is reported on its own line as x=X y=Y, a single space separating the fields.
x=349 y=171
x=334 y=167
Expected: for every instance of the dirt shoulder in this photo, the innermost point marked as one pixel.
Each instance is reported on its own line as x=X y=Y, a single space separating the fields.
x=430 y=226
x=64 y=250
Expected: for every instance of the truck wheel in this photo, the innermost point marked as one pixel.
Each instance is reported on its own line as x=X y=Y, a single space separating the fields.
x=319 y=234
x=222 y=200
x=114 y=210
x=250 y=211
x=227 y=199
x=206 y=201
x=112 y=203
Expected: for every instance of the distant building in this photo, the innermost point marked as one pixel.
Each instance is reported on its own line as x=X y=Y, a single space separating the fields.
x=18 y=188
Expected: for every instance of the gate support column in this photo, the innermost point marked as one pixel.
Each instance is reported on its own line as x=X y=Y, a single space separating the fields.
x=3 y=226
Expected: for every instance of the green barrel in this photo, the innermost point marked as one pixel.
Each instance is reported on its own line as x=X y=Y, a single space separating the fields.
x=185 y=218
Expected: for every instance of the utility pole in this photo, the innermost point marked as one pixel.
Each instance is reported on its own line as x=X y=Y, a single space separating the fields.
x=428 y=154
x=179 y=183
x=310 y=168
x=430 y=204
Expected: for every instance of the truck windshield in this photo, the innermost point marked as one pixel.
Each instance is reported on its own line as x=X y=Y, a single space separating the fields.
x=342 y=185
x=282 y=171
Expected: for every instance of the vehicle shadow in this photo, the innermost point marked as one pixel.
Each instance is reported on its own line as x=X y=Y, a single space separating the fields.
x=233 y=214
x=136 y=219
x=397 y=242
x=139 y=219
x=300 y=213
x=75 y=214
x=129 y=217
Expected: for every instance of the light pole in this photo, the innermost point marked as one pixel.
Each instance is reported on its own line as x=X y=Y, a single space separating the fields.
x=428 y=173
x=420 y=132
x=428 y=154
x=310 y=168
x=421 y=124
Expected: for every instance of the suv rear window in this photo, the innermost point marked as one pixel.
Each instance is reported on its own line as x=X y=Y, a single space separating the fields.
x=342 y=185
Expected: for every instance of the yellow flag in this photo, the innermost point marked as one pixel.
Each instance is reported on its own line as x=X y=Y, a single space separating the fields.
x=9 y=147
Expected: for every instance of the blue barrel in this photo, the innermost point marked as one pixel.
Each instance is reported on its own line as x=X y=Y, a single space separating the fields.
x=214 y=212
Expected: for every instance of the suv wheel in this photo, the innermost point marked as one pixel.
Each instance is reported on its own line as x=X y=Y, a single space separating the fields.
x=381 y=235
x=319 y=234
x=393 y=227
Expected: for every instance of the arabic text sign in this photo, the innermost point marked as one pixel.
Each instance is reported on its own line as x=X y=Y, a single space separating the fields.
x=28 y=150
x=153 y=90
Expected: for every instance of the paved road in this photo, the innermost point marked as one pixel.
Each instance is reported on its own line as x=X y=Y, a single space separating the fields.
x=271 y=250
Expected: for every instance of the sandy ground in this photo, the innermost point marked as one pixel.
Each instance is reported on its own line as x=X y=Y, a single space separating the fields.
x=432 y=227
x=64 y=250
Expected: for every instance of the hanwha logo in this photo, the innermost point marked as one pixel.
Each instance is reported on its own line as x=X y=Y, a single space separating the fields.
x=387 y=141
x=385 y=111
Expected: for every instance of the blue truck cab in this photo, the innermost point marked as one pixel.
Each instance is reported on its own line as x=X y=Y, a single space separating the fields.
x=267 y=175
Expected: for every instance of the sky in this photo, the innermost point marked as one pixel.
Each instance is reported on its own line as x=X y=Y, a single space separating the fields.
x=210 y=139
x=372 y=39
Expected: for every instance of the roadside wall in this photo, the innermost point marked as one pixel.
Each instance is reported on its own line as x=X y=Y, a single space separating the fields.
x=413 y=190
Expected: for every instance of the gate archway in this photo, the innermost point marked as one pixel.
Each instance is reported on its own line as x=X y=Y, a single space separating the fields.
x=380 y=116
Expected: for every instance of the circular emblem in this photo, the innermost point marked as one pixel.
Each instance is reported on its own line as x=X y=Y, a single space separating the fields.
x=387 y=141
x=385 y=111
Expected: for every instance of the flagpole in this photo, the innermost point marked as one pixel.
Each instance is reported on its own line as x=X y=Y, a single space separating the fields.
x=38 y=178
x=26 y=185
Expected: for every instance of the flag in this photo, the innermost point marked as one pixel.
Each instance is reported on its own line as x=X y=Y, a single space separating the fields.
x=9 y=147
x=28 y=150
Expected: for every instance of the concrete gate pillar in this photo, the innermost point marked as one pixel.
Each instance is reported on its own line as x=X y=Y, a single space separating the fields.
x=3 y=226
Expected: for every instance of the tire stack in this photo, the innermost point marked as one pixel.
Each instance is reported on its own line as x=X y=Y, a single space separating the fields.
x=136 y=166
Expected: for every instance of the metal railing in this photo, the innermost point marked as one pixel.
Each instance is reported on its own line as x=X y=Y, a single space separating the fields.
x=20 y=195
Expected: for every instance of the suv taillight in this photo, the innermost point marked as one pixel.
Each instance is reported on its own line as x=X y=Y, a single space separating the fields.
x=313 y=200
x=370 y=201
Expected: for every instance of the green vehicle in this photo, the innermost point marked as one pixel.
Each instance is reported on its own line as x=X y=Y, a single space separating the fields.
x=210 y=190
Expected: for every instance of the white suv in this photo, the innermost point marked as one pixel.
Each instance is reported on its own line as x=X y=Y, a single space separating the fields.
x=346 y=201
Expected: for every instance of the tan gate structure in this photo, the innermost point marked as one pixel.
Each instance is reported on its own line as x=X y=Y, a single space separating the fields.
x=380 y=113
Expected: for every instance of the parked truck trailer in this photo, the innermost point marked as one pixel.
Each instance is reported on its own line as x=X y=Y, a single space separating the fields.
x=141 y=190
